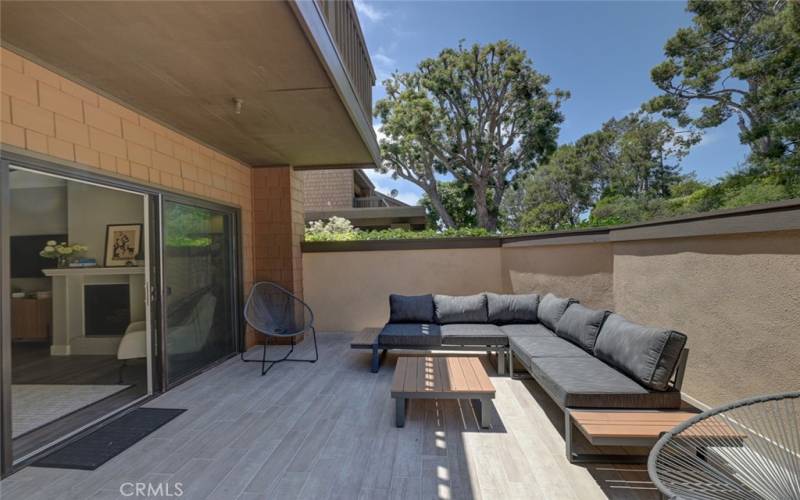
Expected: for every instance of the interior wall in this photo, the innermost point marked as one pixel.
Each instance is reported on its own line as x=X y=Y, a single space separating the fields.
x=93 y=208
x=36 y=210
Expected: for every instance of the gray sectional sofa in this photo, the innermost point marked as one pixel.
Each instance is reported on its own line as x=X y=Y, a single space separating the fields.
x=445 y=322
x=583 y=358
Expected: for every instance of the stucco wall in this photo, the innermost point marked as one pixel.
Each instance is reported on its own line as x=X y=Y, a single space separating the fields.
x=584 y=272
x=737 y=298
x=350 y=290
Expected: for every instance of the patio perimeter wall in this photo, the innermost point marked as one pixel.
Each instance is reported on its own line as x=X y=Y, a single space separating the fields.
x=729 y=280
x=350 y=290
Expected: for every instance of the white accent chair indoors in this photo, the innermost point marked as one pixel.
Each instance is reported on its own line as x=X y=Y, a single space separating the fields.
x=133 y=344
x=191 y=336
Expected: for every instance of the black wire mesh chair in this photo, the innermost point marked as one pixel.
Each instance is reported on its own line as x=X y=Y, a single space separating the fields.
x=274 y=312
x=749 y=449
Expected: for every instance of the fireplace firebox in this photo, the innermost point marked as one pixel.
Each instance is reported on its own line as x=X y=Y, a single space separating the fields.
x=107 y=309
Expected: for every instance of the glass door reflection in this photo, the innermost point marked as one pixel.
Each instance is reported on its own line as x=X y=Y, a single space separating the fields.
x=199 y=288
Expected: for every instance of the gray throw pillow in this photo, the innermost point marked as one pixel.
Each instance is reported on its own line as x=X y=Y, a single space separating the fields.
x=463 y=309
x=551 y=308
x=648 y=355
x=511 y=309
x=411 y=308
x=580 y=325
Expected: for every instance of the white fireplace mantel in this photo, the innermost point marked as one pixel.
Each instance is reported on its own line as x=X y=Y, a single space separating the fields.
x=69 y=336
x=96 y=271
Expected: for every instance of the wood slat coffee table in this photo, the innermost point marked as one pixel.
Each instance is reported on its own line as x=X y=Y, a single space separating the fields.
x=439 y=377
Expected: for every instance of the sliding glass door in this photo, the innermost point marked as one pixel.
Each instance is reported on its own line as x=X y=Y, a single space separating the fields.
x=199 y=269
x=76 y=336
x=156 y=294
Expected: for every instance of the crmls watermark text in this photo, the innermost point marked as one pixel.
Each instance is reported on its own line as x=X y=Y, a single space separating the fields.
x=151 y=489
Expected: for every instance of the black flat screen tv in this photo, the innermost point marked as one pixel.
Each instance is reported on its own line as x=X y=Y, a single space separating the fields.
x=25 y=259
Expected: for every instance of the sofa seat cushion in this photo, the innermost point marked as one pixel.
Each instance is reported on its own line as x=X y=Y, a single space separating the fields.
x=648 y=355
x=512 y=308
x=551 y=308
x=411 y=308
x=527 y=347
x=587 y=382
x=411 y=334
x=581 y=325
x=460 y=309
x=473 y=334
x=537 y=330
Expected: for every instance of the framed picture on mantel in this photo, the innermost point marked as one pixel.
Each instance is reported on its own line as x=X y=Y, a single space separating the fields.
x=123 y=244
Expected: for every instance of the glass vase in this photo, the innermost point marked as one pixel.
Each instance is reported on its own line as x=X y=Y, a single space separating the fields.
x=63 y=261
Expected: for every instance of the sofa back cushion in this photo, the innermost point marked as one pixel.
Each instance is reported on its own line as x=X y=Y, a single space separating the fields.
x=551 y=308
x=580 y=325
x=460 y=309
x=648 y=355
x=411 y=308
x=512 y=309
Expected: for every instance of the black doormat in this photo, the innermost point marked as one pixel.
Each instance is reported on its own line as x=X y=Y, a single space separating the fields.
x=100 y=446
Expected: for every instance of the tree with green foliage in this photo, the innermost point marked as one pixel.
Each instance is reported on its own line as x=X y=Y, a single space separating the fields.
x=626 y=164
x=740 y=59
x=641 y=155
x=408 y=115
x=482 y=114
x=457 y=199
x=558 y=192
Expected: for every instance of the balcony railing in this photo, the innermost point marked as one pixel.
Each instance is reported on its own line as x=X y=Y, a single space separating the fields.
x=369 y=202
x=342 y=21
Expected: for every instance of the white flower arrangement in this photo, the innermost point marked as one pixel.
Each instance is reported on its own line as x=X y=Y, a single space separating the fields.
x=53 y=250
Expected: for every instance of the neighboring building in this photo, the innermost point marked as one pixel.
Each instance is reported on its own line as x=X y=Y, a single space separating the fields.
x=350 y=194
x=192 y=117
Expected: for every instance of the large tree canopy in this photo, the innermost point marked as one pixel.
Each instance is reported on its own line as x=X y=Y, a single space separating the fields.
x=740 y=59
x=634 y=158
x=641 y=155
x=560 y=191
x=482 y=114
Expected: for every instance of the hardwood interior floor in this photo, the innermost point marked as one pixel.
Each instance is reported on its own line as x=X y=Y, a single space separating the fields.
x=33 y=364
x=326 y=430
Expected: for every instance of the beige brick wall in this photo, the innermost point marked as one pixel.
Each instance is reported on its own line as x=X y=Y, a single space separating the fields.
x=51 y=115
x=326 y=189
x=278 y=228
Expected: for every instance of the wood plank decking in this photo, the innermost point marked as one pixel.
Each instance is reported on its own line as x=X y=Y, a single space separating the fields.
x=326 y=431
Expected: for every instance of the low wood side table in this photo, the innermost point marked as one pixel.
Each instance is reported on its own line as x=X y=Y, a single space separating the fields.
x=639 y=428
x=440 y=377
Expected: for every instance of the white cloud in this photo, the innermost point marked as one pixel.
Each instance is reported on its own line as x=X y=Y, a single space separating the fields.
x=369 y=11
x=383 y=59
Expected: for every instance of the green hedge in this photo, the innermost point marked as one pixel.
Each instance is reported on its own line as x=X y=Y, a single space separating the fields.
x=394 y=234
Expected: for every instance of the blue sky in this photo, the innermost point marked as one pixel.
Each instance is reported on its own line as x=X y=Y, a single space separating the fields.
x=600 y=51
